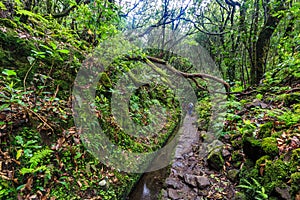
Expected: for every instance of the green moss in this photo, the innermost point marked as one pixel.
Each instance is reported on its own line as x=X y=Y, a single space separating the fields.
x=265 y=130
x=240 y=196
x=262 y=160
x=252 y=148
x=292 y=98
x=276 y=173
x=295 y=159
x=269 y=146
x=8 y=23
x=295 y=187
x=236 y=144
x=237 y=156
x=277 y=170
x=215 y=158
x=248 y=172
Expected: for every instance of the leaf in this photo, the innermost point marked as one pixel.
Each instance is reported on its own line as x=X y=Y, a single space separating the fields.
x=9 y=72
x=53 y=45
x=30 y=60
x=64 y=51
x=245 y=187
x=19 y=153
x=4 y=106
x=2 y=6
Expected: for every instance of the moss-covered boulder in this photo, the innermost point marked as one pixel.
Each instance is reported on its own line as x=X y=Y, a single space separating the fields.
x=266 y=130
x=215 y=158
x=295 y=183
x=269 y=146
x=292 y=98
x=252 y=148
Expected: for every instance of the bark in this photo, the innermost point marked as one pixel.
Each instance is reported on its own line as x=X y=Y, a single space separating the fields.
x=263 y=42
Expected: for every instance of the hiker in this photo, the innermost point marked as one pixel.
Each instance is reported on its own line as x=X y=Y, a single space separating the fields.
x=190 y=108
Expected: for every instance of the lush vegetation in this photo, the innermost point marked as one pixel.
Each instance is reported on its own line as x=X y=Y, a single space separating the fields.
x=43 y=44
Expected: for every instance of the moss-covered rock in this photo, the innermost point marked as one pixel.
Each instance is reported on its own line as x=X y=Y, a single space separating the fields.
x=240 y=196
x=292 y=98
x=265 y=130
x=237 y=156
x=276 y=173
x=295 y=158
x=215 y=158
x=233 y=174
x=262 y=161
x=295 y=180
x=269 y=146
x=252 y=148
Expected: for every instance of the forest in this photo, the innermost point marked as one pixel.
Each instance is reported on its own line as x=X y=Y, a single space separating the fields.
x=171 y=99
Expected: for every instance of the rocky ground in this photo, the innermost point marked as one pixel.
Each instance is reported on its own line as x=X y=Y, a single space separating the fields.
x=192 y=175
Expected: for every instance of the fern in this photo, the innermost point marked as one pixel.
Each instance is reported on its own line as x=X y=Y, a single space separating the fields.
x=2 y=6
x=254 y=189
x=33 y=170
x=38 y=157
x=33 y=15
x=35 y=160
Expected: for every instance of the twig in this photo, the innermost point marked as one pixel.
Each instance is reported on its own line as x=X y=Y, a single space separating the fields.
x=38 y=116
x=26 y=75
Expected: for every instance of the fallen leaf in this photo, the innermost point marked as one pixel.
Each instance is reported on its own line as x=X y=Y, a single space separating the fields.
x=29 y=183
x=80 y=184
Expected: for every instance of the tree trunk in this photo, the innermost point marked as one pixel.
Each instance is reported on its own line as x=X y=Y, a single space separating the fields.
x=263 y=42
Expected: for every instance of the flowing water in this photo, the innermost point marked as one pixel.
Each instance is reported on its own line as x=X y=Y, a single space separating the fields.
x=149 y=186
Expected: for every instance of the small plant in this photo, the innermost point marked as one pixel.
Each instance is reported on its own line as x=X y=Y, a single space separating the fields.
x=259 y=97
x=254 y=189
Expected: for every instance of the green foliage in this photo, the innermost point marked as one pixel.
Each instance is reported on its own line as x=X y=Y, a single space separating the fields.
x=269 y=145
x=295 y=179
x=253 y=189
x=259 y=97
x=287 y=116
x=265 y=130
x=2 y=6
x=203 y=109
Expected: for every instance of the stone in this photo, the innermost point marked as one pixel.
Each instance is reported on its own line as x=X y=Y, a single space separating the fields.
x=233 y=174
x=190 y=179
x=203 y=193
x=173 y=194
x=215 y=158
x=284 y=193
x=252 y=148
x=202 y=181
x=164 y=193
x=173 y=183
x=102 y=183
x=177 y=164
x=214 y=144
x=226 y=153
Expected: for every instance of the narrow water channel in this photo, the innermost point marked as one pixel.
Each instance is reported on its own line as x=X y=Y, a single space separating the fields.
x=149 y=186
x=151 y=183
